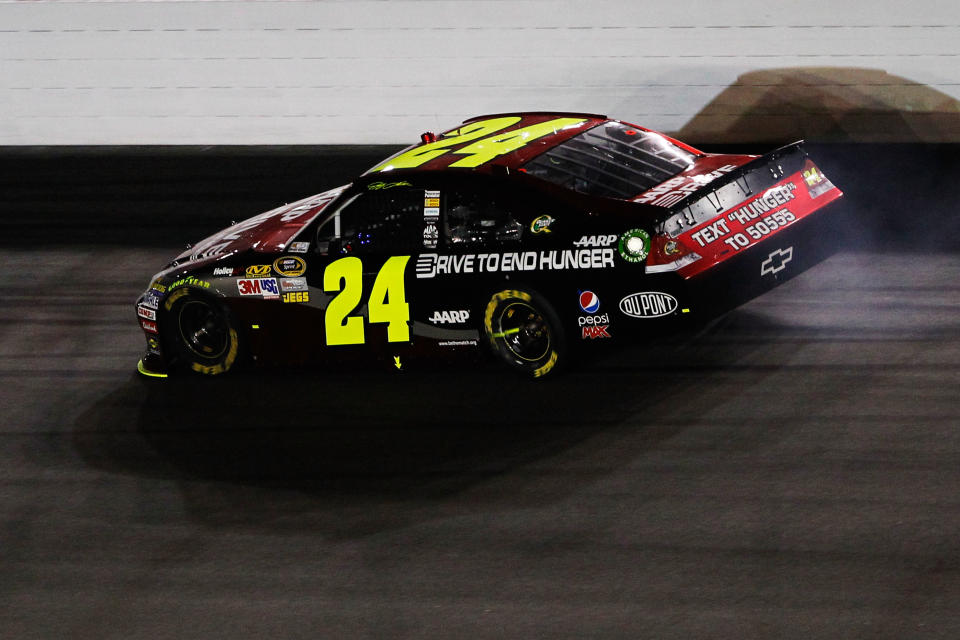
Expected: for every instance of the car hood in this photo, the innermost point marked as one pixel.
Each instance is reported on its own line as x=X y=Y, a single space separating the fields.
x=268 y=232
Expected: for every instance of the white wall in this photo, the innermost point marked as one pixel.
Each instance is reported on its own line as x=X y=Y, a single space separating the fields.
x=196 y=72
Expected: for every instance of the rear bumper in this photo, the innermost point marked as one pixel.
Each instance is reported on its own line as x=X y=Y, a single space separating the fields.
x=767 y=264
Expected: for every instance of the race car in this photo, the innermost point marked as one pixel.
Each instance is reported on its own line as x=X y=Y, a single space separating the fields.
x=530 y=238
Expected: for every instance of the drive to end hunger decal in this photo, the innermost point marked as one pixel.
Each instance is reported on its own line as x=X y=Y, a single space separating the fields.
x=430 y=265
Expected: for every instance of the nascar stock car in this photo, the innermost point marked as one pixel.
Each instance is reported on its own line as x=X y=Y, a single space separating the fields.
x=531 y=237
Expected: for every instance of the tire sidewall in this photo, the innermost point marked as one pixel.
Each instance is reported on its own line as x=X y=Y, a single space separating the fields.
x=185 y=357
x=555 y=356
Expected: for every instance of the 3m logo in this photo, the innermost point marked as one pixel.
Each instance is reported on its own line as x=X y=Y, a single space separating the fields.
x=776 y=261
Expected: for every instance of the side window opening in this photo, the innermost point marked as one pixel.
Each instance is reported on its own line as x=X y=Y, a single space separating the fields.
x=475 y=219
x=378 y=221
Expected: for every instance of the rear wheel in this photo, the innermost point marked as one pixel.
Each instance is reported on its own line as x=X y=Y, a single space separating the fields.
x=524 y=332
x=201 y=333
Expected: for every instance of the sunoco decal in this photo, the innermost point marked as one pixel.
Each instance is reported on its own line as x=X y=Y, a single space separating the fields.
x=648 y=304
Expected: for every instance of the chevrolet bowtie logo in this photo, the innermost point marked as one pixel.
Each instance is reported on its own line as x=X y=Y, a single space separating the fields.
x=776 y=261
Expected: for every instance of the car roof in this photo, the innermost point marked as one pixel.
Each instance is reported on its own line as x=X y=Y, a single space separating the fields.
x=486 y=143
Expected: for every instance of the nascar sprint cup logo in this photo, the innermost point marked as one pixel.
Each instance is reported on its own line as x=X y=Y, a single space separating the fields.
x=648 y=304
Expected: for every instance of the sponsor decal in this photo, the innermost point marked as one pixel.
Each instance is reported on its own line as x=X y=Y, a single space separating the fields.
x=192 y=281
x=157 y=286
x=776 y=261
x=595 y=331
x=676 y=189
x=595 y=241
x=431 y=206
x=771 y=199
x=457 y=343
x=761 y=228
x=293 y=284
x=817 y=183
x=223 y=271
x=150 y=299
x=594 y=321
x=760 y=217
x=146 y=312
x=430 y=235
x=149 y=326
x=450 y=317
x=648 y=304
x=296 y=296
x=589 y=301
x=430 y=265
x=634 y=245
x=377 y=186
x=299 y=247
x=743 y=226
x=431 y=218
x=263 y=287
x=290 y=266
x=153 y=345
x=258 y=271
x=541 y=224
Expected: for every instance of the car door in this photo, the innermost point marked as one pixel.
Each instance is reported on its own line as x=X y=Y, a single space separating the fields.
x=359 y=269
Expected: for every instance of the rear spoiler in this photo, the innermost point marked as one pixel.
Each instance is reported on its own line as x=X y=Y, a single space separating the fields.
x=732 y=188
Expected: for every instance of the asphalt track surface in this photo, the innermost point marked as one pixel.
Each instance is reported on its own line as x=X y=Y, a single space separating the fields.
x=791 y=472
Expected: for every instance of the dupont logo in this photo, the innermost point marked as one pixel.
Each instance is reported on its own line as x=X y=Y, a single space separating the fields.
x=776 y=261
x=648 y=304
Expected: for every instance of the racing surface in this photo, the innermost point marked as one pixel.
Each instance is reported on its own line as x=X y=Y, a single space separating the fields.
x=793 y=471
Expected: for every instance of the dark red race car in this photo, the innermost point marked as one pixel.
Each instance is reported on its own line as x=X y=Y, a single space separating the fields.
x=529 y=237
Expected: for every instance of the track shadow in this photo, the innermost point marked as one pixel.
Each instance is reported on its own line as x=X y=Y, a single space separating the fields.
x=352 y=453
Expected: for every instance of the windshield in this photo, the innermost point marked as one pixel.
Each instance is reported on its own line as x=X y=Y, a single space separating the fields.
x=612 y=159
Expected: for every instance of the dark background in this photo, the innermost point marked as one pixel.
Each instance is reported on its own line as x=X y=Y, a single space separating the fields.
x=899 y=195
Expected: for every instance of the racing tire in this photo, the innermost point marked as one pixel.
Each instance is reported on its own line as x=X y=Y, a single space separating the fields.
x=201 y=332
x=524 y=332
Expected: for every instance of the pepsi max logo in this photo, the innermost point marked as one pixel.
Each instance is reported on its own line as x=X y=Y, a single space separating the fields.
x=589 y=301
x=596 y=331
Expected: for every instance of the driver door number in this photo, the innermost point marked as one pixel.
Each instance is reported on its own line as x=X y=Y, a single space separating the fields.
x=387 y=303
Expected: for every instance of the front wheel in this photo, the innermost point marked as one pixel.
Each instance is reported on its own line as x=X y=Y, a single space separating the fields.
x=201 y=332
x=524 y=332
